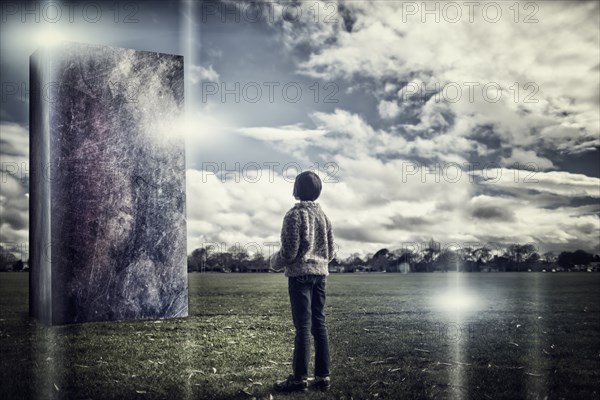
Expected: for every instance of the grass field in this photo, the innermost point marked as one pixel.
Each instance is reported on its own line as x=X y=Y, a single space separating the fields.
x=527 y=335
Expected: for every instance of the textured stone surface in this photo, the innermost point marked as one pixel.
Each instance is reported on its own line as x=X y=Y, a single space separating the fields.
x=107 y=197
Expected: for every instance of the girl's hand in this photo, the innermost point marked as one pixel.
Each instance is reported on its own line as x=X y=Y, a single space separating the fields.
x=273 y=262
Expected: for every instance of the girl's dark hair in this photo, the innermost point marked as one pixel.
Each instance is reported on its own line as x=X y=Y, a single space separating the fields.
x=307 y=186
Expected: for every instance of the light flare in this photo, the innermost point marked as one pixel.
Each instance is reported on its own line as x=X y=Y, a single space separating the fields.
x=457 y=300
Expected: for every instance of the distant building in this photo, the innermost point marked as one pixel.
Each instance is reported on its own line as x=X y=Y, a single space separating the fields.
x=594 y=266
x=258 y=268
x=336 y=268
x=488 y=268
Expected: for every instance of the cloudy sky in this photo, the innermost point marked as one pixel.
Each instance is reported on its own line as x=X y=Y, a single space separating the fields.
x=471 y=125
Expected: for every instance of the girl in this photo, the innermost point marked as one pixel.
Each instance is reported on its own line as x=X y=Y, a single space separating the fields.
x=306 y=250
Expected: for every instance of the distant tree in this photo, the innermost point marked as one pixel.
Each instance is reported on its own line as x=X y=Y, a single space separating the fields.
x=519 y=253
x=568 y=259
x=401 y=256
x=345 y=263
x=255 y=262
x=357 y=262
x=582 y=257
x=468 y=258
x=501 y=263
x=447 y=260
x=549 y=257
x=219 y=261
x=197 y=260
x=258 y=257
x=352 y=262
x=410 y=256
x=381 y=253
x=430 y=255
x=18 y=266
x=482 y=255
x=380 y=260
x=7 y=259
x=565 y=259
x=239 y=258
x=533 y=261
x=334 y=263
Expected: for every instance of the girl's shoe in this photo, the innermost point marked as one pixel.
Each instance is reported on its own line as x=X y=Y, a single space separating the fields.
x=291 y=385
x=322 y=383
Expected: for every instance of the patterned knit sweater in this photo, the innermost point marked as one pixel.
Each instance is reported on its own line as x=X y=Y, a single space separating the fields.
x=306 y=241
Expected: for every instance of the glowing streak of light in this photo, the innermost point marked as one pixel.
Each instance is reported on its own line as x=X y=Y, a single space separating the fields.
x=187 y=7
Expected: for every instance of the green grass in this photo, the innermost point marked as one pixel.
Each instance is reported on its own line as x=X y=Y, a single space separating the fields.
x=529 y=336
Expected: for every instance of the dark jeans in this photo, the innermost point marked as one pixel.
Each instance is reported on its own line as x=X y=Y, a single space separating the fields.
x=307 y=295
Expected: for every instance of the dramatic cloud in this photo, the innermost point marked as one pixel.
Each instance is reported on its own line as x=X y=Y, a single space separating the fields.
x=14 y=177
x=558 y=183
x=14 y=212
x=244 y=209
x=289 y=132
x=14 y=141
x=388 y=109
x=527 y=159
x=199 y=73
x=493 y=212
x=397 y=202
x=500 y=74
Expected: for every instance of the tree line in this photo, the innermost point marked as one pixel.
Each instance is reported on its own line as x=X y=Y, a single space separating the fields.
x=513 y=258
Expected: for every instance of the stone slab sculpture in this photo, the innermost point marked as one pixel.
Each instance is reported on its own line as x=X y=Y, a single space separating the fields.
x=107 y=185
